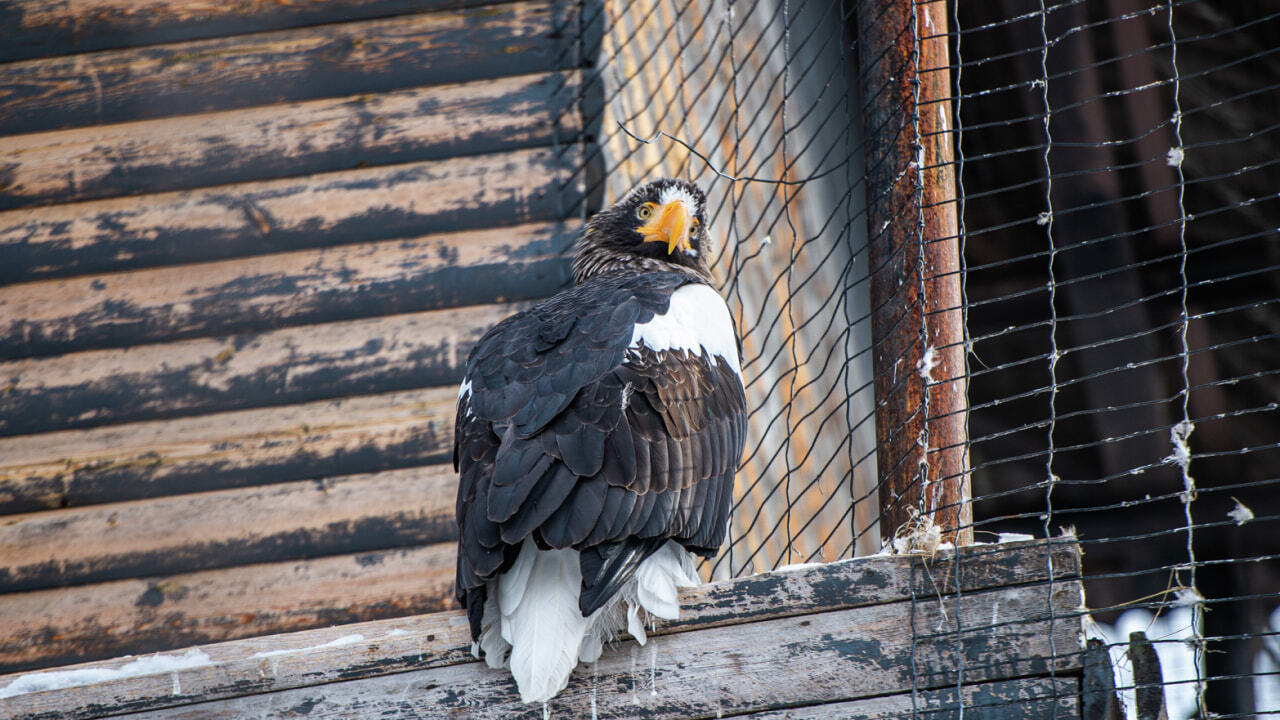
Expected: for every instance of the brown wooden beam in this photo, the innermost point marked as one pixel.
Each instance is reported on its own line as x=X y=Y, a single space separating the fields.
x=922 y=448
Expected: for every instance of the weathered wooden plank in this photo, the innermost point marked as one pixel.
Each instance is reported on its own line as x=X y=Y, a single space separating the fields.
x=524 y=262
x=35 y=28
x=264 y=68
x=282 y=140
x=67 y=625
x=978 y=567
x=225 y=450
x=353 y=206
x=443 y=639
x=185 y=533
x=1026 y=699
x=278 y=367
x=818 y=658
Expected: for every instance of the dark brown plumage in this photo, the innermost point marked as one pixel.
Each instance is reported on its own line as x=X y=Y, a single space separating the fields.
x=608 y=421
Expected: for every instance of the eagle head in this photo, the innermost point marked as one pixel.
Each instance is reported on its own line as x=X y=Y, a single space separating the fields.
x=658 y=226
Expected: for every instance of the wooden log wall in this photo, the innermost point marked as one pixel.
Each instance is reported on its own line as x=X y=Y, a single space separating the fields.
x=885 y=637
x=244 y=250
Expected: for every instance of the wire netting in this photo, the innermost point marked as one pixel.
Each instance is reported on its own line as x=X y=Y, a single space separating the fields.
x=1116 y=217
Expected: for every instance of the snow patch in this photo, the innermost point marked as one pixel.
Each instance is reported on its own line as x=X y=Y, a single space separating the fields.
x=1014 y=537
x=796 y=567
x=344 y=640
x=150 y=665
x=1174 y=157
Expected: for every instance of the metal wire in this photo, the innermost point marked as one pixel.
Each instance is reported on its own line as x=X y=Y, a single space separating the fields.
x=1117 y=223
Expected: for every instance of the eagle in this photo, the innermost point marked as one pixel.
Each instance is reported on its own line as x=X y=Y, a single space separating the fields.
x=597 y=438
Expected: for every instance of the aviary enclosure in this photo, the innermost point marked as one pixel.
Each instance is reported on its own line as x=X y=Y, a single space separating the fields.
x=1006 y=276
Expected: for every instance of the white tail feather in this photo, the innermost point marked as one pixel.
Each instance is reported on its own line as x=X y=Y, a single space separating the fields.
x=532 y=611
x=635 y=625
x=658 y=578
x=545 y=628
x=491 y=641
x=515 y=580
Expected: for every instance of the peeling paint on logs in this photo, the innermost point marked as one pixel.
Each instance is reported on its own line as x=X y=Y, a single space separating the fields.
x=525 y=262
x=68 y=625
x=281 y=140
x=299 y=364
x=225 y=450
x=270 y=523
x=338 y=208
x=314 y=660
x=35 y=28
x=264 y=68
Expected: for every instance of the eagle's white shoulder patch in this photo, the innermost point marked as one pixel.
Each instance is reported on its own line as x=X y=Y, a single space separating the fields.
x=698 y=321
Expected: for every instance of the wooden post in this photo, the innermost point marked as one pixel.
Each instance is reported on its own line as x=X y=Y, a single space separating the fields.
x=915 y=267
x=1098 y=694
x=1148 y=680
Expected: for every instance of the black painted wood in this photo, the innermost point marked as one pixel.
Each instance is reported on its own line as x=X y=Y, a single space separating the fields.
x=288 y=521
x=365 y=130
x=355 y=206
x=525 y=262
x=226 y=450
x=278 y=367
x=260 y=69
x=1148 y=678
x=1098 y=691
x=38 y=28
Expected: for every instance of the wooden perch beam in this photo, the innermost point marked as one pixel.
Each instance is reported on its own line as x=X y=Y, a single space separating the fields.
x=915 y=268
x=818 y=634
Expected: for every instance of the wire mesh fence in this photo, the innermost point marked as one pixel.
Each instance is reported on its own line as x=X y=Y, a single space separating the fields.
x=710 y=92
x=1115 y=217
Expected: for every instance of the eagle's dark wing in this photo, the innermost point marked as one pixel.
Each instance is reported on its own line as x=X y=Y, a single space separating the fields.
x=571 y=433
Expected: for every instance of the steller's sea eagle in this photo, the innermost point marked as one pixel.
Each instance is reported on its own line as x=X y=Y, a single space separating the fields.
x=597 y=438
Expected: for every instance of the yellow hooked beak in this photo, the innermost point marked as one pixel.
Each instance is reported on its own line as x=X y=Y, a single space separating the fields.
x=672 y=224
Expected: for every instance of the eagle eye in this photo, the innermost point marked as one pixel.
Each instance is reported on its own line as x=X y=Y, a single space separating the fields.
x=645 y=211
